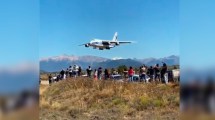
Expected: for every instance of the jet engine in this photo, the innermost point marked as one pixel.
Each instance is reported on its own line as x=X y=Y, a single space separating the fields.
x=86 y=45
x=108 y=48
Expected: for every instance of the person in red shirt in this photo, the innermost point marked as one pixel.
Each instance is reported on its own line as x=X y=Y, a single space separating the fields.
x=130 y=74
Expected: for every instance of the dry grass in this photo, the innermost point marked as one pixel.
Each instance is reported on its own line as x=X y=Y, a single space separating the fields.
x=44 y=77
x=103 y=100
x=22 y=114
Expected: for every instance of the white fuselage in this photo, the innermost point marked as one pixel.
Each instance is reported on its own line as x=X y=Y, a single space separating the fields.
x=101 y=44
x=105 y=44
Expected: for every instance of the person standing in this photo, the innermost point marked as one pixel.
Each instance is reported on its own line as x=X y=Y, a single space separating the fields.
x=125 y=72
x=62 y=72
x=106 y=74
x=131 y=74
x=70 y=71
x=157 y=72
x=140 y=73
x=50 y=79
x=151 y=73
x=89 y=70
x=67 y=72
x=143 y=73
x=95 y=74
x=100 y=73
x=79 y=71
x=64 y=76
x=58 y=78
x=164 y=73
x=75 y=70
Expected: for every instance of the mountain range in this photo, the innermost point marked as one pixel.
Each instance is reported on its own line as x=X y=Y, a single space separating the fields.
x=57 y=63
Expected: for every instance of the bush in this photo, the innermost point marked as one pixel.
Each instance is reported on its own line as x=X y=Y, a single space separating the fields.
x=142 y=103
x=158 y=103
x=118 y=101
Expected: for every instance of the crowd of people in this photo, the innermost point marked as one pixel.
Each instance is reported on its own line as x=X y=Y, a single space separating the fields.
x=72 y=71
x=155 y=73
x=145 y=73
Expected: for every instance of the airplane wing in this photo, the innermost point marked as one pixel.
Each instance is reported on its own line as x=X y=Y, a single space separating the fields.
x=118 y=42
x=121 y=42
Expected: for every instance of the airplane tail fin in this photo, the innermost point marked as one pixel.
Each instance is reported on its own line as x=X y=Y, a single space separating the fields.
x=115 y=37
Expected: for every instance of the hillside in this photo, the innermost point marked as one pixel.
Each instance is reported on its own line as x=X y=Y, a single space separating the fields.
x=115 y=63
x=170 y=60
x=57 y=63
x=85 y=99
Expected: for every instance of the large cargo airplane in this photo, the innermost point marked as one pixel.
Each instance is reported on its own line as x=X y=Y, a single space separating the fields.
x=105 y=44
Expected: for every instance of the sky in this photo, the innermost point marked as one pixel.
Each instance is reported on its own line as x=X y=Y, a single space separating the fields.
x=197 y=36
x=30 y=30
x=19 y=31
x=152 y=24
x=19 y=34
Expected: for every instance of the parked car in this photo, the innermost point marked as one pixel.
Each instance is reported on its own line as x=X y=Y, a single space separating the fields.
x=117 y=77
x=136 y=78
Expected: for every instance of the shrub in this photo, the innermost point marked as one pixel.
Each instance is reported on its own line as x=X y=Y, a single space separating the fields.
x=158 y=103
x=142 y=103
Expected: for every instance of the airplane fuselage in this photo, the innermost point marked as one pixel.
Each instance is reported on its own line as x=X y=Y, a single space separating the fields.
x=105 y=44
x=100 y=44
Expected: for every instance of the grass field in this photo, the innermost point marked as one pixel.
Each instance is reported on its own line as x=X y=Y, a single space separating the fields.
x=86 y=99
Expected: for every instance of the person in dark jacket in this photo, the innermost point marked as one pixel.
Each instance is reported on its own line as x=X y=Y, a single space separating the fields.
x=79 y=71
x=163 y=73
x=89 y=71
x=50 y=79
x=151 y=72
x=106 y=74
x=157 y=72
x=70 y=71
x=62 y=72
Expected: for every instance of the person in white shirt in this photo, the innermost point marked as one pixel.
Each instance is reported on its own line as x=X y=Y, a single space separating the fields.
x=95 y=74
